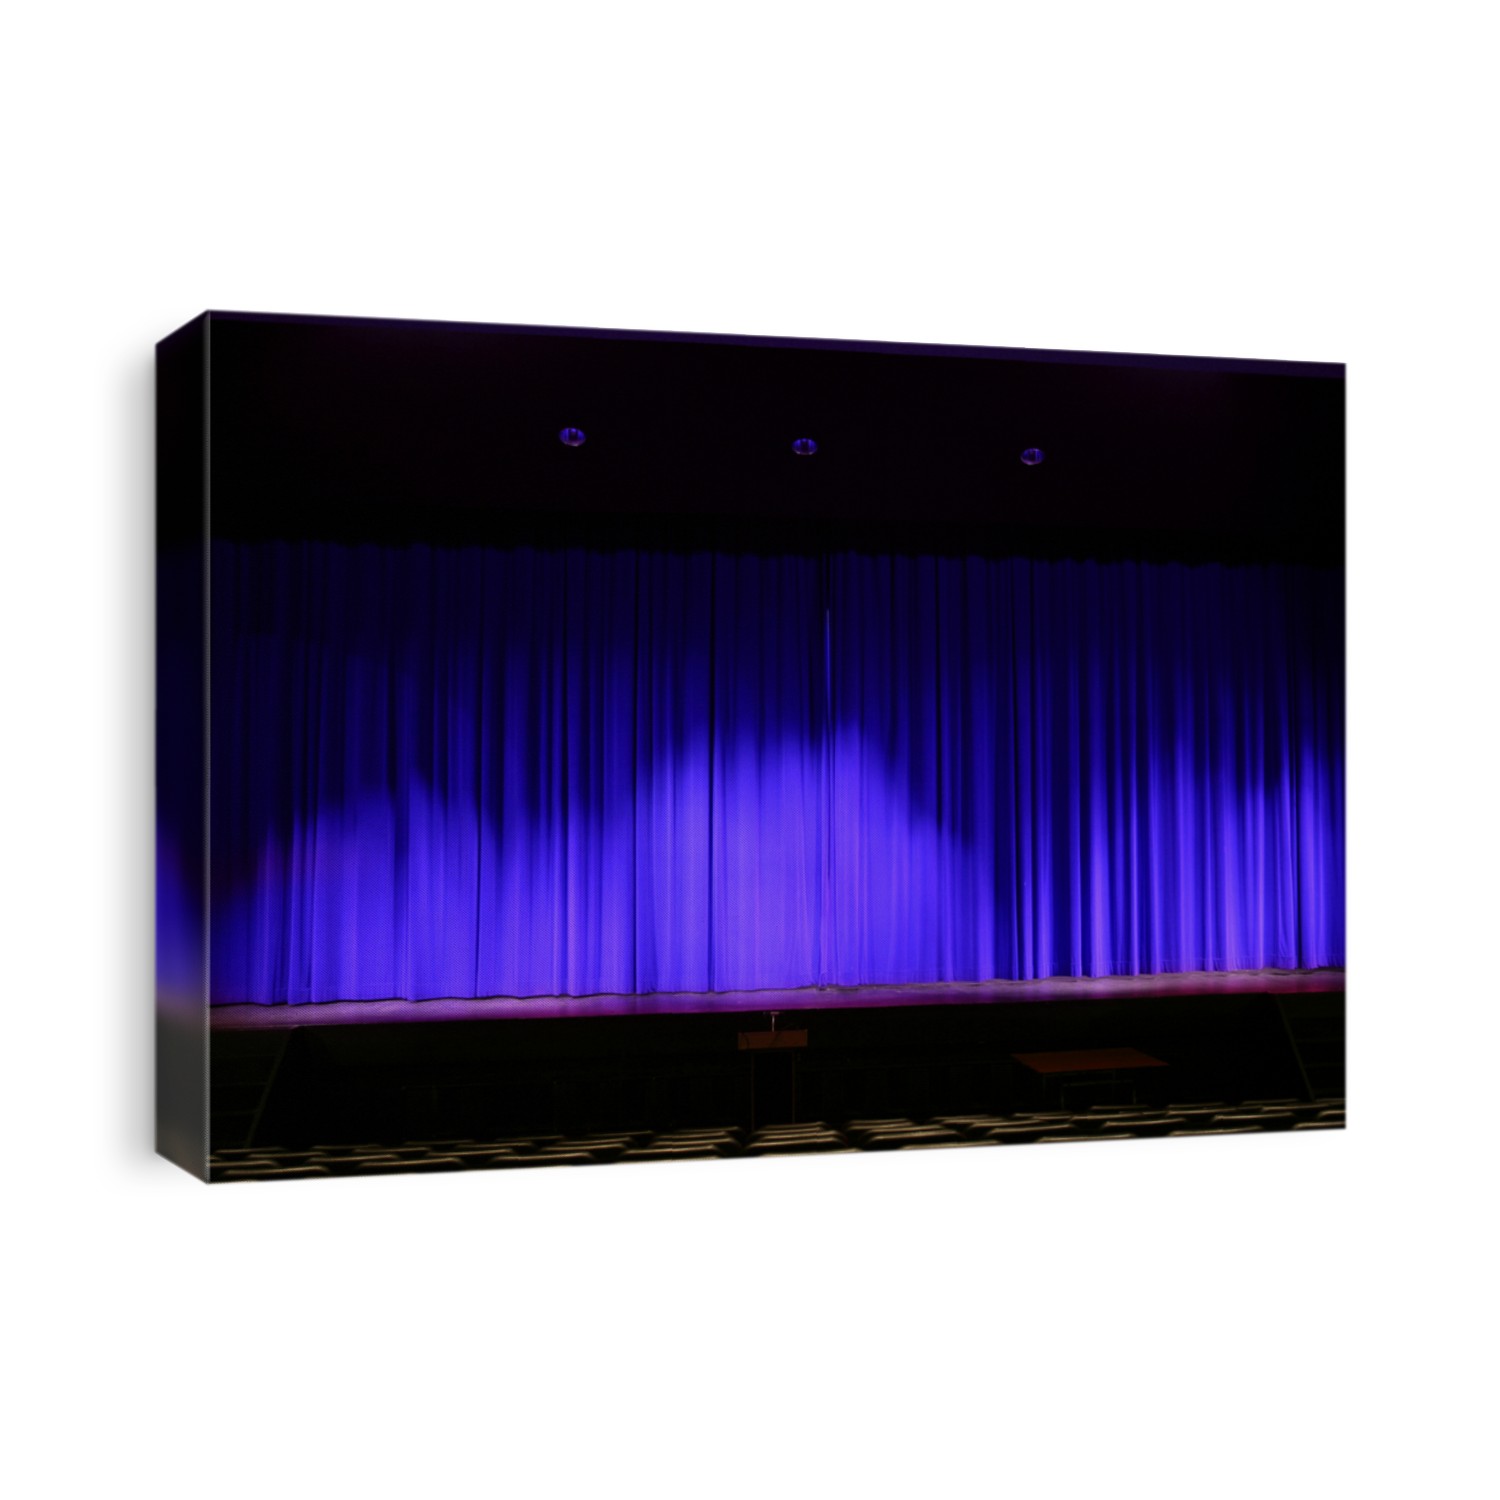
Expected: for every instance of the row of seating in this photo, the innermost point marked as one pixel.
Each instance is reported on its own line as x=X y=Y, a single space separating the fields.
x=1102 y=1122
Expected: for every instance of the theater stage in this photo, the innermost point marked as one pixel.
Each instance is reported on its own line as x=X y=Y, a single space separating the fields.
x=982 y=992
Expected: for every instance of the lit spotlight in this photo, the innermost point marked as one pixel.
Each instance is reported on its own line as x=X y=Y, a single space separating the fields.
x=1032 y=456
x=803 y=447
x=572 y=436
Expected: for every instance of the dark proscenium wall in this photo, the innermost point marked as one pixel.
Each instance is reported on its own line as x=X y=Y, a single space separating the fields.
x=352 y=429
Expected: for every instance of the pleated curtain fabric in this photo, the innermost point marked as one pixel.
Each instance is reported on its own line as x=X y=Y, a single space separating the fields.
x=443 y=772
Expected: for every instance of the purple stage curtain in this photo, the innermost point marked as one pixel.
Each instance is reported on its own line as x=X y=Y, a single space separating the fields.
x=464 y=772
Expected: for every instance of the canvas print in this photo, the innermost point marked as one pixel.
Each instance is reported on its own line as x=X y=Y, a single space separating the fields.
x=583 y=747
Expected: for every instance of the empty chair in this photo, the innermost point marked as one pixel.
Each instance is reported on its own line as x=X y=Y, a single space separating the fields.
x=1013 y=1134
x=1265 y=1119
x=352 y=1153
x=787 y=1145
x=344 y=1164
x=693 y=1137
x=479 y=1156
x=1143 y=1125
x=683 y=1151
x=934 y=1145
x=721 y=1145
x=978 y=1126
x=294 y=1158
x=594 y=1150
x=257 y=1164
x=902 y=1135
x=501 y=1163
x=411 y=1164
x=248 y=1173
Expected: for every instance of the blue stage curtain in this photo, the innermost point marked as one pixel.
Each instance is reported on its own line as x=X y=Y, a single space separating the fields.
x=463 y=772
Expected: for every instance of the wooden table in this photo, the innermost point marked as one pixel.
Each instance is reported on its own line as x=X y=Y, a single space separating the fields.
x=1059 y=1067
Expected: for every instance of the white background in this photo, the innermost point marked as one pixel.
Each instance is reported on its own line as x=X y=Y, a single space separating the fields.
x=1255 y=1317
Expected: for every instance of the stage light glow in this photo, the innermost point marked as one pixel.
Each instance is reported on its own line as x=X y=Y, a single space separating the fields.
x=573 y=437
x=804 y=447
x=1032 y=456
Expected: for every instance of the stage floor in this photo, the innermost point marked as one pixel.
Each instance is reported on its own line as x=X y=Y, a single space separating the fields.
x=979 y=992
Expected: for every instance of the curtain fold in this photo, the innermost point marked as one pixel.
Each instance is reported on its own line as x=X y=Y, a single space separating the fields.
x=464 y=772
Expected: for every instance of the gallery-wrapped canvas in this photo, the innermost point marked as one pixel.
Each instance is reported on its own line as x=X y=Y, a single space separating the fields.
x=582 y=746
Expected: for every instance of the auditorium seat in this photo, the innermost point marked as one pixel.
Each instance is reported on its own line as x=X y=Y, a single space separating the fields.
x=809 y=1127
x=729 y=1139
x=265 y=1173
x=788 y=1144
x=699 y=1141
x=974 y=1126
x=901 y=1133
x=1320 y=1109
x=595 y=1151
x=1016 y=1134
x=355 y=1154
x=1195 y=1114
x=936 y=1145
x=360 y=1153
x=543 y=1159
x=483 y=1156
x=686 y=1151
x=244 y=1164
x=412 y=1164
x=1265 y=1119
x=346 y=1166
x=1143 y=1125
